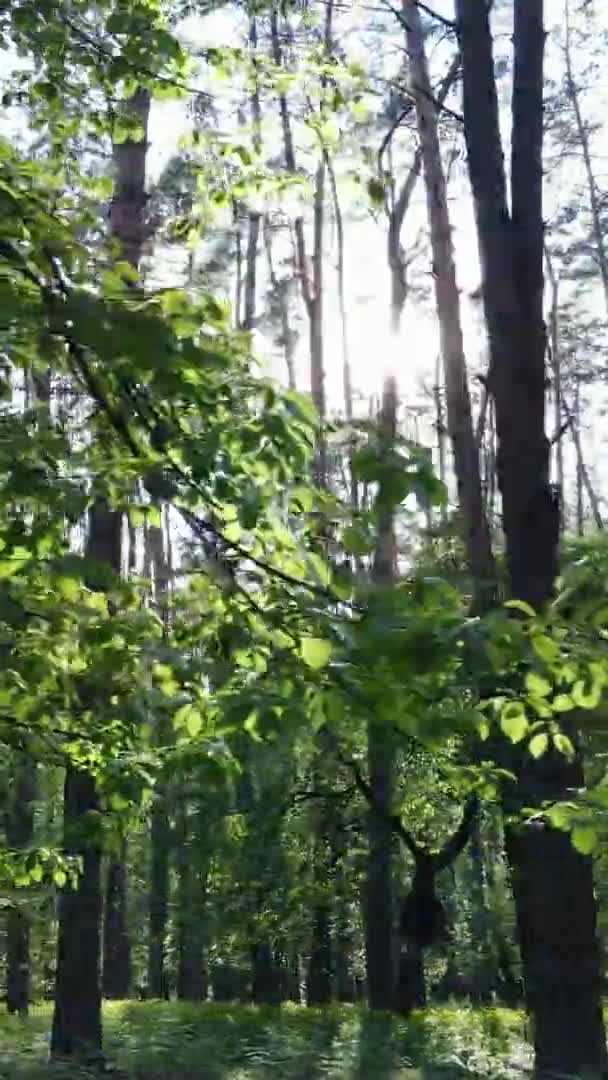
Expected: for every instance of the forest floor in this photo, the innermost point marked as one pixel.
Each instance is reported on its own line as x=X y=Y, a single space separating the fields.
x=158 y=1041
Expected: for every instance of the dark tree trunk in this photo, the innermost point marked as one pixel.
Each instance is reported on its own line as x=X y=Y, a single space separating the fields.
x=411 y=986
x=190 y=917
x=319 y=982
x=76 y=1031
x=265 y=983
x=116 y=981
x=552 y=883
x=158 y=898
x=77 y=1017
x=379 y=910
x=19 y=836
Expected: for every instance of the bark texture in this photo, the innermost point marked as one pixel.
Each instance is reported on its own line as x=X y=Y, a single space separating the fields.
x=379 y=902
x=552 y=883
x=460 y=422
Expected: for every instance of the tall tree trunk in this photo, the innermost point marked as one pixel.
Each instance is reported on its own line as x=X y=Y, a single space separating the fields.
x=116 y=980
x=347 y=375
x=190 y=918
x=19 y=837
x=460 y=422
x=127 y=221
x=160 y=825
x=398 y=258
x=583 y=137
x=280 y=290
x=320 y=966
x=552 y=883
x=379 y=905
x=310 y=271
x=251 y=261
x=76 y=1030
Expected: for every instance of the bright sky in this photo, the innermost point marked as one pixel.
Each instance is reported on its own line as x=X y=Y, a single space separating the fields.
x=412 y=355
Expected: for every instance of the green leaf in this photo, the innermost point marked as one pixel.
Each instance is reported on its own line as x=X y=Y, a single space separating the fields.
x=584 y=838
x=537 y=685
x=315 y=652
x=562 y=703
x=584 y=699
x=538 y=744
x=194 y=722
x=251 y=726
x=563 y=744
x=189 y=717
x=60 y=878
x=523 y=606
x=545 y=648
x=560 y=815
x=513 y=721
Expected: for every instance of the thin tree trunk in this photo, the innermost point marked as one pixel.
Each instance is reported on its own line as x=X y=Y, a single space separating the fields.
x=310 y=273
x=552 y=883
x=251 y=261
x=379 y=906
x=583 y=137
x=347 y=376
x=398 y=260
x=557 y=372
x=460 y=422
x=19 y=837
x=280 y=292
x=160 y=826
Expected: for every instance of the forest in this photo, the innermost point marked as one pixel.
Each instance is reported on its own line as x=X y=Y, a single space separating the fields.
x=303 y=566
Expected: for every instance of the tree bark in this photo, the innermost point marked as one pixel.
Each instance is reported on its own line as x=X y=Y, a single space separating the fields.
x=19 y=836
x=191 y=902
x=583 y=138
x=116 y=980
x=251 y=260
x=76 y=1031
x=552 y=883
x=460 y=422
x=319 y=981
x=379 y=904
x=280 y=290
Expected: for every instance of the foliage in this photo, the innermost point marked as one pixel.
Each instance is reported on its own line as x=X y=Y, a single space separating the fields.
x=155 y=1040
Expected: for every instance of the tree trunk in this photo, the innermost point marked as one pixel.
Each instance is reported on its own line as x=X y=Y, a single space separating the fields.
x=76 y=1031
x=19 y=837
x=190 y=918
x=280 y=290
x=398 y=259
x=158 y=896
x=265 y=982
x=320 y=967
x=552 y=883
x=411 y=986
x=116 y=981
x=251 y=260
x=583 y=138
x=379 y=907
x=76 y=1027
x=460 y=422
x=127 y=220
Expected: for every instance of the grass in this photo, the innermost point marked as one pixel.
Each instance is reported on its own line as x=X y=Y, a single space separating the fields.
x=160 y=1041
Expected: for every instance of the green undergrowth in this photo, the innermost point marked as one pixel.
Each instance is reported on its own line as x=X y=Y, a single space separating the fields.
x=159 y=1041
